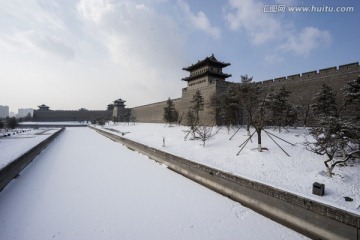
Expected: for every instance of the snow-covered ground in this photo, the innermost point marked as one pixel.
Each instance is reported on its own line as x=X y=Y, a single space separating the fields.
x=295 y=174
x=17 y=144
x=84 y=186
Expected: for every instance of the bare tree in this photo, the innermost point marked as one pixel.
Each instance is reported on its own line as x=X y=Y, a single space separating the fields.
x=204 y=133
x=304 y=109
x=260 y=116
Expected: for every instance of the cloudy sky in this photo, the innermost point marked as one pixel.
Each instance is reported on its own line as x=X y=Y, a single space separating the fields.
x=70 y=54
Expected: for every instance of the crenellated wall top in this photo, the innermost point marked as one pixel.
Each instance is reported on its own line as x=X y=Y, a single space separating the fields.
x=326 y=72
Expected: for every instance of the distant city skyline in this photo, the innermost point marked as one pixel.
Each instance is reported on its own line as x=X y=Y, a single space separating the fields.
x=87 y=53
x=21 y=112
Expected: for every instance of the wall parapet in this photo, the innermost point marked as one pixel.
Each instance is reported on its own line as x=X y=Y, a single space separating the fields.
x=325 y=72
x=175 y=100
x=74 y=111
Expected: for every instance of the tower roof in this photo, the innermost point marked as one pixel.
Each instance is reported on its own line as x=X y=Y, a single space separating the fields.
x=119 y=102
x=208 y=61
x=43 y=107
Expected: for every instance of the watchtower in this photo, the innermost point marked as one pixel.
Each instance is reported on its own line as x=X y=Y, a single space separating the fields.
x=208 y=77
x=119 y=110
x=205 y=72
x=43 y=107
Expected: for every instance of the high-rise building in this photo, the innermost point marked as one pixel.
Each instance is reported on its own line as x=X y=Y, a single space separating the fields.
x=23 y=112
x=4 y=111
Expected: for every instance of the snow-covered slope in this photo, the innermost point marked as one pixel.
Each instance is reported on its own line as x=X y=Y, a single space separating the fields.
x=296 y=173
x=17 y=144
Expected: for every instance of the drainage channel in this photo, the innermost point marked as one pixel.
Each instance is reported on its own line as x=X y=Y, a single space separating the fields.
x=311 y=218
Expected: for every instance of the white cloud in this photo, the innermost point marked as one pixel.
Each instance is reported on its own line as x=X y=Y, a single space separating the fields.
x=145 y=45
x=307 y=40
x=199 y=20
x=35 y=27
x=247 y=15
x=263 y=28
x=273 y=59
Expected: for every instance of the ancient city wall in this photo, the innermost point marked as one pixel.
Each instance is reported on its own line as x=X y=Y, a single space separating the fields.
x=152 y=113
x=66 y=115
x=303 y=87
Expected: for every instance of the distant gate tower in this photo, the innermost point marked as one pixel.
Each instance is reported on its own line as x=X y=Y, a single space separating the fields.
x=208 y=77
x=119 y=110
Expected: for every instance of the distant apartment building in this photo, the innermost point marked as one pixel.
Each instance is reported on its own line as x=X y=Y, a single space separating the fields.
x=23 y=112
x=4 y=111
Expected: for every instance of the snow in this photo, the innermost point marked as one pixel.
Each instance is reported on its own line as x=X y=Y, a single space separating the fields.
x=85 y=186
x=20 y=141
x=295 y=174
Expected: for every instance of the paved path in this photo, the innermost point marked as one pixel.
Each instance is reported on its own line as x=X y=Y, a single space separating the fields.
x=84 y=186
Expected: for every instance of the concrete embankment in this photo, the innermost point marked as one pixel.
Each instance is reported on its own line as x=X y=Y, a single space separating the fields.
x=12 y=170
x=311 y=218
x=56 y=125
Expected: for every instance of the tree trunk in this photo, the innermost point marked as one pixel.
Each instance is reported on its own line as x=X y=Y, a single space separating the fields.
x=329 y=170
x=258 y=131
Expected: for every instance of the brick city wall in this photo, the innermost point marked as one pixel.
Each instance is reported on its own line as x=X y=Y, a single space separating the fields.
x=303 y=87
x=58 y=115
x=153 y=113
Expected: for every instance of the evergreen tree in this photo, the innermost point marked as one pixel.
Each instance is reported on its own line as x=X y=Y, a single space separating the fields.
x=325 y=102
x=333 y=137
x=280 y=107
x=11 y=122
x=197 y=104
x=170 y=113
x=352 y=96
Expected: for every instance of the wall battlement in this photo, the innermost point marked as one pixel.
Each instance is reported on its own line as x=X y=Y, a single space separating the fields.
x=75 y=110
x=175 y=100
x=322 y=73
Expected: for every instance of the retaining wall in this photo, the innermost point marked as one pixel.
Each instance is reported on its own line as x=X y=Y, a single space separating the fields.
x=311 y=218
x=12 y=170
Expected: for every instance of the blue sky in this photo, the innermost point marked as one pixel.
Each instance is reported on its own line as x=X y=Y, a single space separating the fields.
x=70 y=54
